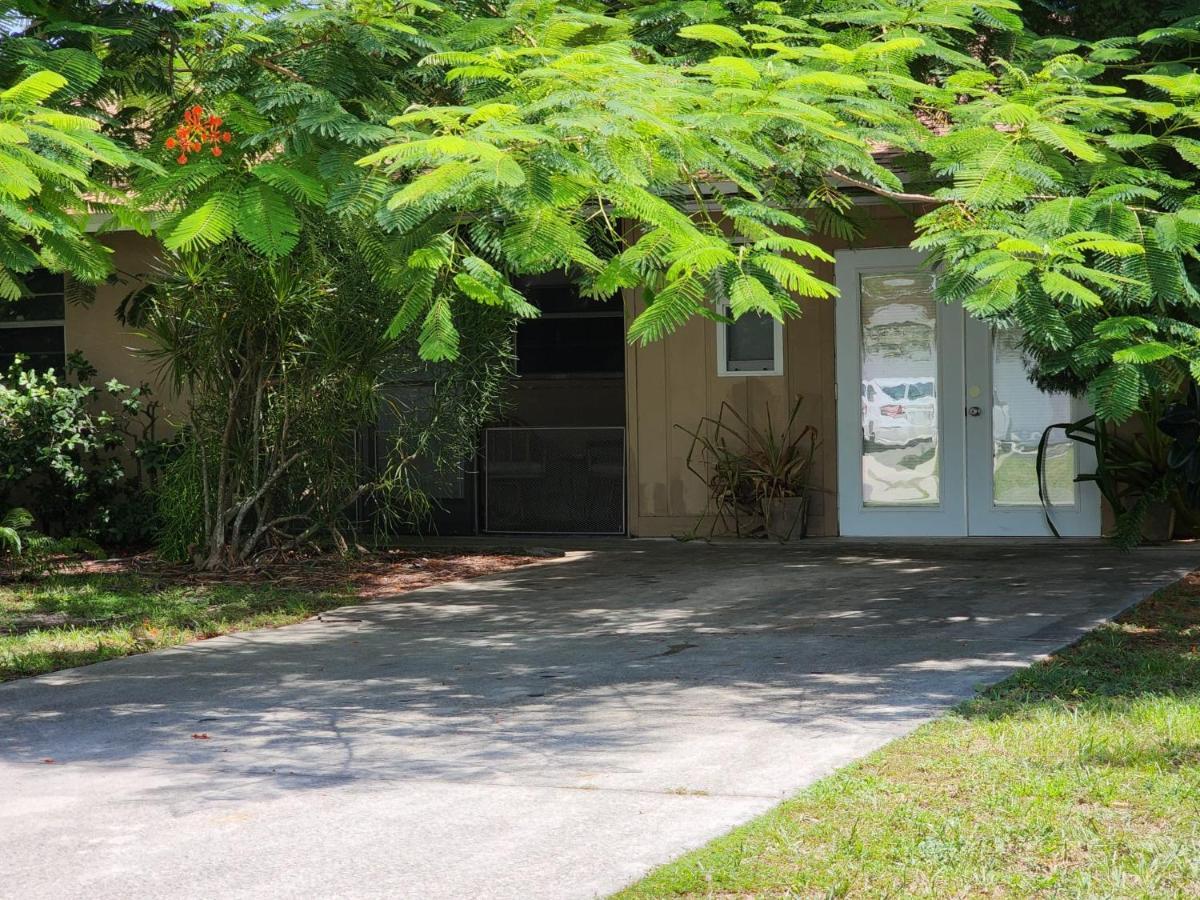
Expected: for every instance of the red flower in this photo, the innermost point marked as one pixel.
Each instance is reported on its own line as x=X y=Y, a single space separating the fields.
x=198 y=131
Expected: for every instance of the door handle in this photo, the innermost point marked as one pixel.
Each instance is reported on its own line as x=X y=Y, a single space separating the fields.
x=974 y=411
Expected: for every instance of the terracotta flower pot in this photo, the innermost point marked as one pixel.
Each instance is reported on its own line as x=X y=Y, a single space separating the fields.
x=1159 y=525
x=786 y=517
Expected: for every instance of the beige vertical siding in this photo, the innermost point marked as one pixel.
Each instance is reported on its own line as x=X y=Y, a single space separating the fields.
x=674 y=382
x=668 y=383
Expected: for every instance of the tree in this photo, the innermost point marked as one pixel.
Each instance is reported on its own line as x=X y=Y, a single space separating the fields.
x=681 y=149
x=282 y=365
x=47 y=158
x=551 y=137
x=685 y=150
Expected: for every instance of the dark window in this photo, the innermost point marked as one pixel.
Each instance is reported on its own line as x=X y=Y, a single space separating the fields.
x=572 y=336
x=33 y=325
x=750 y=345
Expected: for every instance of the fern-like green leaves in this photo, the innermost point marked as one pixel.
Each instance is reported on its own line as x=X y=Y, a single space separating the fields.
x=684 y=150
x=210 y=223
x=1061 y=216
x=47 y=161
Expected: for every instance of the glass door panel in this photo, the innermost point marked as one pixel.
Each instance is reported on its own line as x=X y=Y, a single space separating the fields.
x=1006 y=417
x=899 y=369
x=899 y=372
x=1020 y=413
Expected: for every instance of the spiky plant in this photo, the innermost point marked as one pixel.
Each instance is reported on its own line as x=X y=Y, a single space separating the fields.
x=14 y=527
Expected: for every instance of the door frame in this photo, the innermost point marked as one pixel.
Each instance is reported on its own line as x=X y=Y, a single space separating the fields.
x=948 y=517
x=957 y=435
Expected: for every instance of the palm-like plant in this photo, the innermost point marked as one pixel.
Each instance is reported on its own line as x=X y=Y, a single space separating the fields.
x=750 y=471
x=14 y=526
x=46 y=160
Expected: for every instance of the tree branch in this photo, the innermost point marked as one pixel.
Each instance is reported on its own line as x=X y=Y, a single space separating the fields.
x=276 y=68
x=902 y=196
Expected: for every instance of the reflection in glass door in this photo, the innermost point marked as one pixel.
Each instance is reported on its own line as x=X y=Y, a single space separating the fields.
x=944 y=435
x=899 y=352
x=1002 y=445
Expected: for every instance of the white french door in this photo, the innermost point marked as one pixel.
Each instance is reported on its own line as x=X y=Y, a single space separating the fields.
x=938 y=424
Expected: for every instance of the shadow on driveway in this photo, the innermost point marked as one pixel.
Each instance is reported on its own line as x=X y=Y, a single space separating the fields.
x=553 y=731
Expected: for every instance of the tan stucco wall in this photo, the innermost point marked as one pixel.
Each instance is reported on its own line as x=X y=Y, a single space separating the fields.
x=675 y=382
x=93 y=329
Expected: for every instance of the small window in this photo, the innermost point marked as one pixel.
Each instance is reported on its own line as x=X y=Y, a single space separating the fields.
x=33 y=327
x=753 y=345
x=573 y=336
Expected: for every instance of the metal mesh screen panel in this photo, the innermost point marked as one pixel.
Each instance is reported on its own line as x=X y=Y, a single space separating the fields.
x=554 y=480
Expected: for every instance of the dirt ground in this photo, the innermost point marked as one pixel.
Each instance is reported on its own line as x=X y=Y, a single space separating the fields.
x=373 y=575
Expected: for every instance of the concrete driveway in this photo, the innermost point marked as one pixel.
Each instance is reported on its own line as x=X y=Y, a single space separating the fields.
x=551 y=732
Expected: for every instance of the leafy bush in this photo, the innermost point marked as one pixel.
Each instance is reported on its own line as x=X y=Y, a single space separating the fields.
x=284 y=364
x=1149 y=473
x=81 y=458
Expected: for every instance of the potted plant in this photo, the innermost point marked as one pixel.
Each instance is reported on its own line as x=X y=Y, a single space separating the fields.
x=759 y=479
x=1150 y=475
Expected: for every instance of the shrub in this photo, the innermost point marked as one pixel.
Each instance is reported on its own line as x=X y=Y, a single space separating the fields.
x=24 y=551
x=284 y=364
x=14 y=528
x=81 y=458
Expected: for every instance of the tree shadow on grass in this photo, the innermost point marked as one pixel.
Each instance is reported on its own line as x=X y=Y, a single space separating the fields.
x=69 y=620
x=33 y=661
x=1150 y=650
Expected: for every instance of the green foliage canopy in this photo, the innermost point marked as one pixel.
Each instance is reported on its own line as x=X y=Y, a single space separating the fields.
x=1072 y=210
x=47 y=157
x=552 y=137
x=685 y=150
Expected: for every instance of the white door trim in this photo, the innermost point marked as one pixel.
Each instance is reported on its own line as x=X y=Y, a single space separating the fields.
x=965 y=445
x=949 y=517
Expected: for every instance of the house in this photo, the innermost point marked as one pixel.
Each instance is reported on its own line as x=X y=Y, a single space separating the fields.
x=928 y=424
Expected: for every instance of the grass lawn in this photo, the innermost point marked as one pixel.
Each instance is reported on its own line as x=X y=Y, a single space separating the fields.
x=78 y=617
x=1078 y=777
x=71 y=620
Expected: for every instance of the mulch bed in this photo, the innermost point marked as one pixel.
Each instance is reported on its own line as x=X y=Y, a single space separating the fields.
x=373 y=575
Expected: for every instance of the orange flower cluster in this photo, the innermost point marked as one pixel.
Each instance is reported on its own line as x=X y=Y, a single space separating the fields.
x=196 y=132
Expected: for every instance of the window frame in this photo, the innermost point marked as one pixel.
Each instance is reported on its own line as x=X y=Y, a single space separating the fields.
x=589 y=311
x=723 y=370
x=60 y=324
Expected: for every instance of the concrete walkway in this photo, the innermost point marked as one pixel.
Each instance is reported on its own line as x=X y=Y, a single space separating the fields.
x=553 y=732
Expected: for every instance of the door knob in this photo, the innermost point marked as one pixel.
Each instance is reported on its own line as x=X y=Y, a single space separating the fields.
x=974 y=411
